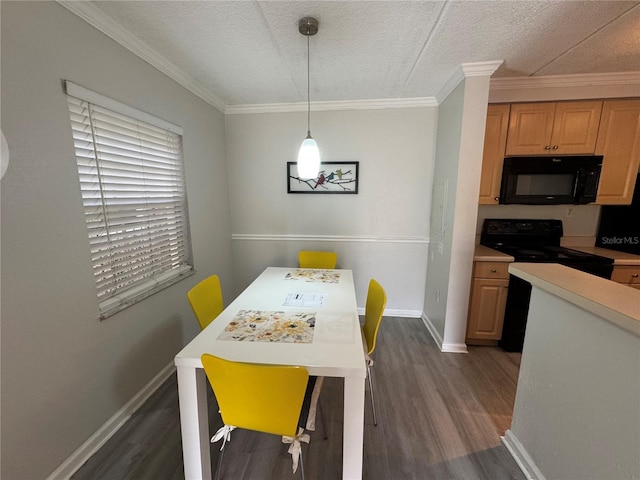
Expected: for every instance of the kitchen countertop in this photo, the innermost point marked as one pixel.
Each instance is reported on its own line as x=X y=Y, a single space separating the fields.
x=619 y=258
x=486 y=254
x=619 y=304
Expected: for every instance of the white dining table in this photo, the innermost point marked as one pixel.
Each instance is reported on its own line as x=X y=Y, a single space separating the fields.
x=335 y=350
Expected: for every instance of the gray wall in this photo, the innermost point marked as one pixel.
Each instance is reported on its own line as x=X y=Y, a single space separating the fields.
x=381 y=232
x=461 y=123
x=64 y=372
x=577 y=408
x=442 y=207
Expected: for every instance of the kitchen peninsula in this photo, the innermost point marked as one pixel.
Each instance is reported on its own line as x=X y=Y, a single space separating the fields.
x=577 y=408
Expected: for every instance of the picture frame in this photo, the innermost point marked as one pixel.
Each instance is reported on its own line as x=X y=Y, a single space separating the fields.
x=334 y=178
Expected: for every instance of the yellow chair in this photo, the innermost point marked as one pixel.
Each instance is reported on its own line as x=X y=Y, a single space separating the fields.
x=263 y=398
x=309 y=259
x=376 y=301
x=206 y=300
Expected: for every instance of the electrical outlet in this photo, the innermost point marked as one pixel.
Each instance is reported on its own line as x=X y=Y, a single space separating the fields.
x=569 y=212
x=437 y=296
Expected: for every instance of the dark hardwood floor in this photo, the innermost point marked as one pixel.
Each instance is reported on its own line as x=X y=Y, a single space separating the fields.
x=440 y=416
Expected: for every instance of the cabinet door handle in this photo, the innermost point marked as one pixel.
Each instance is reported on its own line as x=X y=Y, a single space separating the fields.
x=548 y=147
x=555 y=147
x=493 y=270
x=497 y=199
x=506 y=286
x=634 y=275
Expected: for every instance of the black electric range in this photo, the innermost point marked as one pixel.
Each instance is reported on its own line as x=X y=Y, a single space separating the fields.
x=535 y=241
x=538 y=241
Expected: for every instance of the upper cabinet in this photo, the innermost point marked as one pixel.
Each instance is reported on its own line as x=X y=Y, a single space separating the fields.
x=610 y=128
x=495 y=139
x=553 y=128
x=619 y=144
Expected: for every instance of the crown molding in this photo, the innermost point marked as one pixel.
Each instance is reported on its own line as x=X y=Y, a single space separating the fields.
x=416 y=102
x=472 y=69
x=576 y=80
x=96 y=18
x=480 y=69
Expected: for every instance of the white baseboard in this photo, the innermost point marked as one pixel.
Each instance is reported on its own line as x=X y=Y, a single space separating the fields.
x=521 y=456
x=110 y=427
x=448 y=347
x=396 y=312
x=445 y=347
x=432 y=330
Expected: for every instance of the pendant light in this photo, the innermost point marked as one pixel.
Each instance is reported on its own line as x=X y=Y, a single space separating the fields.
x=309 y=155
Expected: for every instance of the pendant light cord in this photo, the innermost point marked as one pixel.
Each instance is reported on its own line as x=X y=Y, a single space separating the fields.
x=308 y=89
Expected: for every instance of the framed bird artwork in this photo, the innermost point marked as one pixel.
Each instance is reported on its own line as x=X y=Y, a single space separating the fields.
x=333 y=177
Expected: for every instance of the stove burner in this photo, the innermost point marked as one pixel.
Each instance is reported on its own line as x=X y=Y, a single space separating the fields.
x=530 y=252
x=539 y=241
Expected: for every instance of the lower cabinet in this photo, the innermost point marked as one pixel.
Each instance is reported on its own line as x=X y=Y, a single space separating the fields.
x=487 y=302
x=627 y=275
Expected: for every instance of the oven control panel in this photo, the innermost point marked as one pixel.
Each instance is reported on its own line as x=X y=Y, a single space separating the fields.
x=501 y=226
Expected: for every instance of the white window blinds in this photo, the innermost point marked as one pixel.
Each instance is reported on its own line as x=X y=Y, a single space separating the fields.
x=133 y=189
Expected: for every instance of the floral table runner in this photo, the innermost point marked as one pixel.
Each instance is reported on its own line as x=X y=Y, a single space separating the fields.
x=313 y=275
x=265 y=326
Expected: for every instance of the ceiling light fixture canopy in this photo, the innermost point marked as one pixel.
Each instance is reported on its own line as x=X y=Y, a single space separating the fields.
x=309 y=155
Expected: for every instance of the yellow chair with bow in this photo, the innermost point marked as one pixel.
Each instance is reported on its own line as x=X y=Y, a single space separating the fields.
x=376 y=301
x=206 y=301
x=262 y=398
x=310 y=259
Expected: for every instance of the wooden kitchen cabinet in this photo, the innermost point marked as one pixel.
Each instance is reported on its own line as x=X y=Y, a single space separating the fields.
x=553 y=128
x=487 y=302
x=495 y=141
x=619 y=144
x=627 y=275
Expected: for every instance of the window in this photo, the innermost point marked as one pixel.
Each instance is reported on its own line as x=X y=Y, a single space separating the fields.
x=133 y=190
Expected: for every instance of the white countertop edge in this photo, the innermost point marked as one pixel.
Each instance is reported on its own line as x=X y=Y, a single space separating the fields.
x=619 y=258
x=486 y=254
x=617 y=303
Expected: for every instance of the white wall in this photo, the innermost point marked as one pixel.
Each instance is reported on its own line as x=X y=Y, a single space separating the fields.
x=64 y=372
x=381 y=232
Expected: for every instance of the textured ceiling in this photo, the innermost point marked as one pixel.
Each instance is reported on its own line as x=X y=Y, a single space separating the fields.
x=250 y=52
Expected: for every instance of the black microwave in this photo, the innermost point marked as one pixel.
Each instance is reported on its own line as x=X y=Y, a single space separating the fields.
x=550 y=180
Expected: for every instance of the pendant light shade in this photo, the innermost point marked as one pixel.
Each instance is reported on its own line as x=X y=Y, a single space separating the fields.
x=308 y=158
x=309 y=154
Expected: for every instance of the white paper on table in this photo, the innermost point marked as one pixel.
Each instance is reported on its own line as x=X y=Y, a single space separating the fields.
x=305 y=300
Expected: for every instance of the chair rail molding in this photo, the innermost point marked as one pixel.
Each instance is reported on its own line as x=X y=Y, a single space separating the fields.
x=329 y=238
